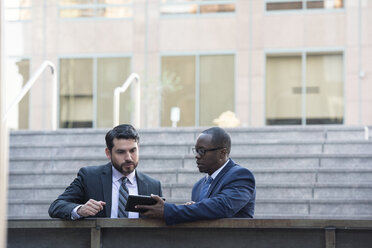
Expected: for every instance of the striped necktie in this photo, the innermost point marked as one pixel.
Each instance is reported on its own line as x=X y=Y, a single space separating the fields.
x=123 y=197
x=205 y=187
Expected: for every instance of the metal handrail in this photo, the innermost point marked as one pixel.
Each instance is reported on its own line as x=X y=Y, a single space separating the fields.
x=366 y=133
x=28 y=86
x=132 y=78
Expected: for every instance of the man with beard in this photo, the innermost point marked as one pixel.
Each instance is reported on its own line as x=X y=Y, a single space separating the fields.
x=98 y=191
x=227 y=191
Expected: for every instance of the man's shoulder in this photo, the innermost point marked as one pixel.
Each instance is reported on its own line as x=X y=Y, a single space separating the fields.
x=238 y=169
x=93 y=169
x=145 y=177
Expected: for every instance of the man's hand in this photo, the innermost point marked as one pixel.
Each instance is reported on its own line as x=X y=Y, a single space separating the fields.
x=189 y=203
x=91 y=208
x=153 y=211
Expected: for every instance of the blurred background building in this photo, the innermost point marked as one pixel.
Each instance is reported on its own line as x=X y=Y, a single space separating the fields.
x=270 y=62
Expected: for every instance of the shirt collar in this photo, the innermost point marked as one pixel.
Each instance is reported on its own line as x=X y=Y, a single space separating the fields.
x=116 y=175
x=215 y=174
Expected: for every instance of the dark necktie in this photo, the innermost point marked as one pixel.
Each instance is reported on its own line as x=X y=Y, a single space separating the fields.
x=205 y=187
x=123 y=197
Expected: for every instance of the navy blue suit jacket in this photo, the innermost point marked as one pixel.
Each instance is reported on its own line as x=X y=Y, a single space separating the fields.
x=232 y=194
x=95 y=182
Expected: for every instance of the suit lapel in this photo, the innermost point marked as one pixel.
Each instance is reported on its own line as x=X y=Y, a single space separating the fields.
x=215 y=182
x=141 y=184
x=106 y=178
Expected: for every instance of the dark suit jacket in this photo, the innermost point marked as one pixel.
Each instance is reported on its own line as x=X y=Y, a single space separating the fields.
x=232 y=194
x=95 y=182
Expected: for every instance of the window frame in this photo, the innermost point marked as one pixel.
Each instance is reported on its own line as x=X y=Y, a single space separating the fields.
x=303 y=53
x=95 y=7
x=198 y=14
x=197 y=56
x=304 y=9
x=19 y=8
x=95 y=58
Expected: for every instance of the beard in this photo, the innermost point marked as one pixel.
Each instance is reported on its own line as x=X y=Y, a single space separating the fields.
x=125 y=168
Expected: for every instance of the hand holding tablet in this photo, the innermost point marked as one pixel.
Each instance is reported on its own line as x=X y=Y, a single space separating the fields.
x=134 y=200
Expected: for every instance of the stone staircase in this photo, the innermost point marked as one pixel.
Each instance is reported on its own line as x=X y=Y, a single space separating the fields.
x=301 y=172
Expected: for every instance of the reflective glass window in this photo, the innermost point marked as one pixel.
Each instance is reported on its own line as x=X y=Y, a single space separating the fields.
x=177 y=7
x=178 y=89
x=275 y=5
x=76 y=93
x=322 y=95
x=209 y=88
x=112 y=73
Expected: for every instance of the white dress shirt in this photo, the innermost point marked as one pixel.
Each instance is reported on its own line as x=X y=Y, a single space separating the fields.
x=116 y=183
x=215 y=174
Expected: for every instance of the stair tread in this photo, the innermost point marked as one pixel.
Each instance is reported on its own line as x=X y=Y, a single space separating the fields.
x=283 y=201
x=183 y=185
x=191 y=171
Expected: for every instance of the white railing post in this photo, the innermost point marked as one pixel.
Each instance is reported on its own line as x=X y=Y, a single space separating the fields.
x=366 y=133
x=4 y=138
x=118 y=90
x=28 y=86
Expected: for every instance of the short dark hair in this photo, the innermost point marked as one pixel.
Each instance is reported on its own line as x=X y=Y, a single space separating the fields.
x=220 y=138
x=124 y=131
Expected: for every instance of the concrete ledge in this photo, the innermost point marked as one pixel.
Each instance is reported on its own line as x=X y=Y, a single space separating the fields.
x=314 y=233
x=221 y=223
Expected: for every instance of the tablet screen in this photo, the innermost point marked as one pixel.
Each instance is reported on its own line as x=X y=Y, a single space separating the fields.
x=134 y=200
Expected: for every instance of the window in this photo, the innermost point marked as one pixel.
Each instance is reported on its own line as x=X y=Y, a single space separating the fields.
x=192 y=7
x=178 y=88
x=95 y=8
x=19 y=10
x=86 y=91
x=216 y=87
x=112 y=73
x=277 y=5
x=201 y=86
x=313 y=98
x=76 y=93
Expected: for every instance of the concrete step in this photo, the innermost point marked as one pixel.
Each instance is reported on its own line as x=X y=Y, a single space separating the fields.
x=300 y=133
x=314 y=207
x=320 y=191
x=313 y=216
x=185 y=176
x=97 y=136
x=304 y=208
x=351 y=147
x=25 y=151
x=316 y=191
x=35 y=192
x=275 y=161
x=182 y=135
x=75 y=163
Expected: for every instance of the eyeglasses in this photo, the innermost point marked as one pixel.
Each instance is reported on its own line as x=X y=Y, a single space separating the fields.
x=202 y=151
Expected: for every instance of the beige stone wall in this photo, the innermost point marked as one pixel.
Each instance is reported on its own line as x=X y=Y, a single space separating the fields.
x=250 y=33
x=3 y=155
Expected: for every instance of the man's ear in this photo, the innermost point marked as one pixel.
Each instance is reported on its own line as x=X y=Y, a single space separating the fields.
x=223 y=153
x=108 y=153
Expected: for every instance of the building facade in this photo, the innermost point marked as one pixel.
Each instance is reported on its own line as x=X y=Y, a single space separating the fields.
x=271 y=62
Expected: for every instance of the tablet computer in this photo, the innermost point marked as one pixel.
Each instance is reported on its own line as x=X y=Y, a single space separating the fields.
x=134 y=200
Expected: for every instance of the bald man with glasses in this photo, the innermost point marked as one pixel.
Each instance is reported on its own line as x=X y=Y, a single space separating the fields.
x=227 y=191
